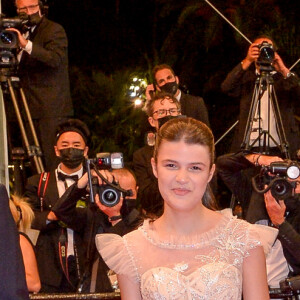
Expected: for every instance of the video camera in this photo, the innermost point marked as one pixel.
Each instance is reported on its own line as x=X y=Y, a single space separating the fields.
x=109 y=193
x=9 y=39
x=277 y=177
x=266 y=56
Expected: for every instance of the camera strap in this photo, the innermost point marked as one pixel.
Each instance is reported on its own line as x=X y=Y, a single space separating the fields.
x=43 y=183
x=63 y=256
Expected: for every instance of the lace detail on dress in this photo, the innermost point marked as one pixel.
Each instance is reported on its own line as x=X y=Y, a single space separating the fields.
x=212 y=268
x=206 y=266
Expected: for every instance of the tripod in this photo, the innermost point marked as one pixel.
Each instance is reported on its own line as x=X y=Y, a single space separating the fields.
x=33 y=151
x=266 y=137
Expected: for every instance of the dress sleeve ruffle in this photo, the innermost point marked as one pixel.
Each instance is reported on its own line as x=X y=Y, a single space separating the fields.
x=258 y=235
x=267 y=236
x=113 y=250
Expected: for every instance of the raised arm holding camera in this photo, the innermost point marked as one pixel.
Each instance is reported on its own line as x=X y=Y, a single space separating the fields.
x=111 y=210
x=265 y=205
x=43 y=73
x=240 y=84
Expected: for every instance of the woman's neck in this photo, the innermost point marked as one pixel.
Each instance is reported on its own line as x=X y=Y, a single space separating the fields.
x=186 y=223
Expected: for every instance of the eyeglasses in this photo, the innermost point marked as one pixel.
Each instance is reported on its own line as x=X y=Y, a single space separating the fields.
x=163 y=112
x=27 y=8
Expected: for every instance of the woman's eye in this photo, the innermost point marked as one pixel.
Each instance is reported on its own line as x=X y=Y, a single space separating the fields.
x=195 y=168
x=170 y=166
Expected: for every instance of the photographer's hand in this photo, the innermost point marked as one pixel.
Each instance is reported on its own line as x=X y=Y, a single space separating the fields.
x=110 y=211
x=262 y=160
x=280 y=66
x=276 y=210
x=22 y=41
x=150 y=89
x=252 y=55
x=83 y=181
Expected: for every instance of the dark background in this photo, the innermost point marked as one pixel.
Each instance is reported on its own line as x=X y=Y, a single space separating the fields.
x=112 y=41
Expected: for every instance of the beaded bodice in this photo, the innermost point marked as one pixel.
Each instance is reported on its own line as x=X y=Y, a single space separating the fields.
x=206 y=266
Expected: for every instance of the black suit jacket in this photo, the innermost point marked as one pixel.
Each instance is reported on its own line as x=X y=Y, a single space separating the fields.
x=12 y=274
x=194 y=107
x=44 y=73
x=240 y=85
x=90 y=222
x=149 y=197
x=47 y=250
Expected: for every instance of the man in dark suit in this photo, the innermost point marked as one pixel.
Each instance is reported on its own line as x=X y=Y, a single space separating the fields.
x=240 y=83
x=60 y=251
x=166 y=81
x=120 y=219
x=12 y=273
x=159 y=108
x=43 y=73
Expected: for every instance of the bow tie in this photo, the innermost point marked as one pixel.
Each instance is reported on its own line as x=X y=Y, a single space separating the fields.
x=63 y=177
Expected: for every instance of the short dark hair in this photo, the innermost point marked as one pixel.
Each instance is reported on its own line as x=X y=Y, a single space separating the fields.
x=261 y=36
x=161 y=67
x=75 y=125
x=148 y=108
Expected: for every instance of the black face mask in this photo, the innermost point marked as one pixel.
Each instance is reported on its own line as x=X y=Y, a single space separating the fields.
x=34 y=19
x=165 y=119
x=71 y=157
x=170 y=87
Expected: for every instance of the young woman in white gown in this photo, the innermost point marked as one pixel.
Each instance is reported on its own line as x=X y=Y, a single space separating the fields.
x=191 y=251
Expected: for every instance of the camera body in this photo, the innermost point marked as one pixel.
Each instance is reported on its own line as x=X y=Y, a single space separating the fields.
x=266 y=56
x=9 y=39
x=109 y=193
x=277 y=177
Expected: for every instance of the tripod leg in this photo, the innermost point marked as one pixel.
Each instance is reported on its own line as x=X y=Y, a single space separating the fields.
x=35 y=139
x=30 y=153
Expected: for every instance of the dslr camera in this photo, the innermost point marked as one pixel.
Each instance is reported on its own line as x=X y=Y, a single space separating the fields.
x=109 y=193
x=9 y=39
x=277 y=178
x=266 y=56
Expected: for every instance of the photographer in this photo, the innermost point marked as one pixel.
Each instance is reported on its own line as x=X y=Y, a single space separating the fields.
x=240 y=83
x=120 y=219
x=43 y=73
x=237 y=171
x=59 y=273
x=158 y=109
x=166 y=81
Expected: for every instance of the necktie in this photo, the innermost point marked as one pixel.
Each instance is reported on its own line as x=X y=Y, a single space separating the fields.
x=63 y=177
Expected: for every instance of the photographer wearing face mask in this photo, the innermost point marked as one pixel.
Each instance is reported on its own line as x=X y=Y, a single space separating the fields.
x=166 y=81
x=59 y=272
x=43 y=73
x=159 y=109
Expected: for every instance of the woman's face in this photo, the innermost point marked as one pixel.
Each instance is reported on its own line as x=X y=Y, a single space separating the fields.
x=183 y=172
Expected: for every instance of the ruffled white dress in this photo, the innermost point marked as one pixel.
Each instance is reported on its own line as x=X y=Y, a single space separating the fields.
x=206 y=266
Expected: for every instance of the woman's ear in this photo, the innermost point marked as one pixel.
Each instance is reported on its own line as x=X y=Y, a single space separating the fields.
x=211 y=172
x=154 y=167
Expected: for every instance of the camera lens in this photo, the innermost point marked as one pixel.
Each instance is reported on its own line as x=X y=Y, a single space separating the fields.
x=267 y=53
x=109 y=197
x=281 y=189
x=6 y=37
